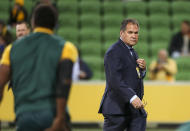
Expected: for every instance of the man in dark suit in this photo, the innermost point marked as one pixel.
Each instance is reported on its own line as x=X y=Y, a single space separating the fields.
x=180 y=42
x=122 y=105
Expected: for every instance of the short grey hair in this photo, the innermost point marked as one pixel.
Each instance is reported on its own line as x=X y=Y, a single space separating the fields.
x=127 y=21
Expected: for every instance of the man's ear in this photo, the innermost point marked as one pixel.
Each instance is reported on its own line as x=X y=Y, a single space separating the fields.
x=121 y=33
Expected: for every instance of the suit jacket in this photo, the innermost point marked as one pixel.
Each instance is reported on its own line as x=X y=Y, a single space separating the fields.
x=122 y=81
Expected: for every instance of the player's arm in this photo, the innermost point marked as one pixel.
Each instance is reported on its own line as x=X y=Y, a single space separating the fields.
x=65 y=68
x=63 y=85
x=4 y=78
x=4 y=70
x=62 y=92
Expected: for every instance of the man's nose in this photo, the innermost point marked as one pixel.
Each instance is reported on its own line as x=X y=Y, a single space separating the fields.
x=133 y=35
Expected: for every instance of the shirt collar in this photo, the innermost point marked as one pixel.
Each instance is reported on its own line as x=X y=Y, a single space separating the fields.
x=129 y=47
x=43 y=30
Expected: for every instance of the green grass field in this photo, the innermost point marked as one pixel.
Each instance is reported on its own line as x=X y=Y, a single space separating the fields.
x=101 y=129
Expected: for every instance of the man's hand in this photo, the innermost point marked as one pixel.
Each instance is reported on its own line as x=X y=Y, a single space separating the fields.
x=137 y=103
x=82 y=75
x=58 y=125
x=141 y=63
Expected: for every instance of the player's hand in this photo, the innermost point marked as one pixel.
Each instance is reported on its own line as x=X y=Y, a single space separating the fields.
x=137 y=103
x=141 y=63
x=58 y=125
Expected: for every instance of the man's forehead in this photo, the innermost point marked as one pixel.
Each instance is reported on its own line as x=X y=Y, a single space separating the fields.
x=133 y=29
x=132 y=25
x=21 y=25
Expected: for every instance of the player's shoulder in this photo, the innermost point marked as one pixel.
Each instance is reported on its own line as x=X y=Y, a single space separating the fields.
x=70 y=45
x=64 y=43
x=69 y=51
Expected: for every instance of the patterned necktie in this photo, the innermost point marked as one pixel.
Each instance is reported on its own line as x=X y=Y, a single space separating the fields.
x=134 y=54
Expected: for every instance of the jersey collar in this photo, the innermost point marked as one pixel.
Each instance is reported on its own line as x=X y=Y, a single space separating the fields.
x=43 y=30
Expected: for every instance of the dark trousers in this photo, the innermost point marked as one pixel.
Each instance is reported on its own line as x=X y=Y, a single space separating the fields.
x=124 y=123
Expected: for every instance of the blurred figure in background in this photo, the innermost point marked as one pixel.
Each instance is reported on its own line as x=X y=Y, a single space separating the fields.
x=180 y=42
x=163 y=69
x=22 y=29
x=17 y=13
x=7 y=36
x=2 y=45
x=81 y=70
x=85 y=71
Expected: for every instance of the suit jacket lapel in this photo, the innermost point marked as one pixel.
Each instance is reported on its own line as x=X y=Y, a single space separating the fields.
x=127 y=51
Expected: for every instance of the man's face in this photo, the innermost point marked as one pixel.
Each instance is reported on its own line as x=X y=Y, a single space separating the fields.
x=184 y=28
x=162 y=55
x=130 y=35
x=21 y=30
